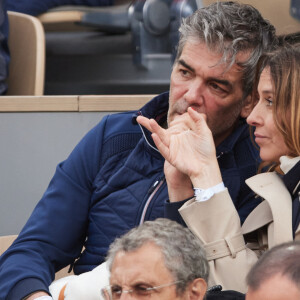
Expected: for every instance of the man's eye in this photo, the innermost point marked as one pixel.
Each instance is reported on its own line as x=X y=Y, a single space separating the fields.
x=216 y=87
x=115 y=289
x=142 y=289
x=184 y=72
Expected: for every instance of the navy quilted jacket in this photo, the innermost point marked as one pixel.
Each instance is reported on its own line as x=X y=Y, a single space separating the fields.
x=112 y=181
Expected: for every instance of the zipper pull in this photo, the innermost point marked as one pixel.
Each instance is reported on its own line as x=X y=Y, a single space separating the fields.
x=152 y=188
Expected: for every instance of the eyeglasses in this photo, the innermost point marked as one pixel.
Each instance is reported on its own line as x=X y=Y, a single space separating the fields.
x=113 y=292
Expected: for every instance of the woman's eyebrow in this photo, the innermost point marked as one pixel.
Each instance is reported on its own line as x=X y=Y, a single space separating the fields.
x=267 y=91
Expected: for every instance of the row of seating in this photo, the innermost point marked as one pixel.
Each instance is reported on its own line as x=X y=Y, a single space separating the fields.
x=27 y=50
x=27 y=36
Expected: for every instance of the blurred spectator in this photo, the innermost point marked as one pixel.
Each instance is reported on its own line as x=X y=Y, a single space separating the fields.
x=276 y=275
x=161 y=259
x=4 y=53
x=36 y=7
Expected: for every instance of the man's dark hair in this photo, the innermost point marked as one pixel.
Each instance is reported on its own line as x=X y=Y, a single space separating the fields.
x=230 y=28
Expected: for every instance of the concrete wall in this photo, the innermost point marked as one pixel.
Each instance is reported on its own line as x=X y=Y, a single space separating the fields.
x=32 y=144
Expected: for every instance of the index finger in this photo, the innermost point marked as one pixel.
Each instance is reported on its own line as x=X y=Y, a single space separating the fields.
x=144 y=122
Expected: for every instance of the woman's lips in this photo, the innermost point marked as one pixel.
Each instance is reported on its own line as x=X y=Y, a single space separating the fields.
x=259 y=138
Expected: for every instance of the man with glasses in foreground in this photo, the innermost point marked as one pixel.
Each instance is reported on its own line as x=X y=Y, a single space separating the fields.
x=157 y=260
x=160 y=259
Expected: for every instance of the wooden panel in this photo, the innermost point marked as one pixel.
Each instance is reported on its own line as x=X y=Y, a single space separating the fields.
x=38 y=103
x=6 y=241
x=113 y=102
x=106 y=103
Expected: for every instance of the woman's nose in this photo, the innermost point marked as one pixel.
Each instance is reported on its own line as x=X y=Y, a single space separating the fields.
x=255 y=117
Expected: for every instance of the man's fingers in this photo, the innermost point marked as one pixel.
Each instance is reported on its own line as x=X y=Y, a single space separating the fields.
x=181 y=121
x=198 y=118
x=153 y=127
x=163 y=149
x=161 y=132
x=144 y=122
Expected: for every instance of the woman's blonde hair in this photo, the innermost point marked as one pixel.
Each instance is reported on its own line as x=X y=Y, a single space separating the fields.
x=284 y=64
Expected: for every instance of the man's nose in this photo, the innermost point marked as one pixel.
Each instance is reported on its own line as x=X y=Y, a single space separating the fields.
x=126 y=296
x=194 y=93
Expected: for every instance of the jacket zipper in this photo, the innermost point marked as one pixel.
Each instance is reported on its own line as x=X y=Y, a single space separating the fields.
x=157 y=184
x=153 y=190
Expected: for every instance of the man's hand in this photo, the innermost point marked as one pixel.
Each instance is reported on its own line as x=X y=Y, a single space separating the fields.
x=179 y=184
x=188 y=146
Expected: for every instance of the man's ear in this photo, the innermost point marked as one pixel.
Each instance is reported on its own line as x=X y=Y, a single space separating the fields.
x=248 y=106
x=197 y=289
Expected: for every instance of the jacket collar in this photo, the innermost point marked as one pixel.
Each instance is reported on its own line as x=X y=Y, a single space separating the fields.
x=271 y=188
x=291 y=168
x=155 y=108
x=241 y=131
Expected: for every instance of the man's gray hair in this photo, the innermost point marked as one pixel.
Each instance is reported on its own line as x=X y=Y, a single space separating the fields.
x=282 y=260
x=183 y=254
x=230 y=28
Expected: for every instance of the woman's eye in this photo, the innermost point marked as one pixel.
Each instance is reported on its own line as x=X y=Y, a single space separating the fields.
x=269 y=101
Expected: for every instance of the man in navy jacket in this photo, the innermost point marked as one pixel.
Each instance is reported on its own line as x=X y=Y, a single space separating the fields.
x=114 y=178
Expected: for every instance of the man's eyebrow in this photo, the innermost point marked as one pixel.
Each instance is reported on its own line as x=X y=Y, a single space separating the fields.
x=183 y=63
x=217 y=80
